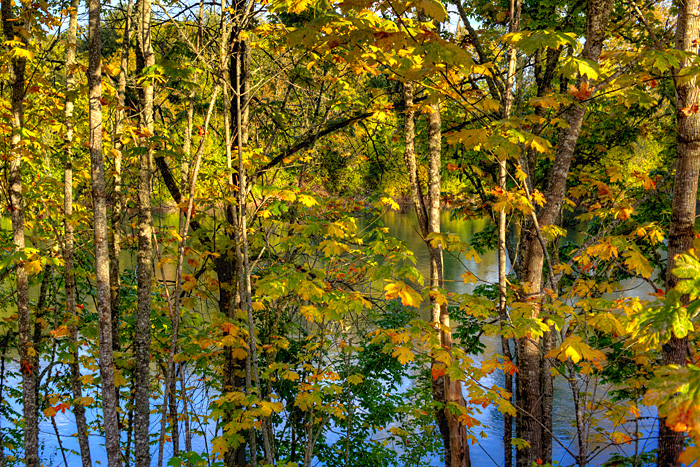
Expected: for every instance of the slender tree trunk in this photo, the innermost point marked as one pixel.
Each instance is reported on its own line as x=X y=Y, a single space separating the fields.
x=239 y=101
x=145 y=58
x=445 y=390
x=185 y=409
x=236 y=133
x=117 y=201
x=514 y=26
x=99 y=202
x=530 y=388
x=685 y=193
x=174 y=427
x=17 y=66
x=76 y=382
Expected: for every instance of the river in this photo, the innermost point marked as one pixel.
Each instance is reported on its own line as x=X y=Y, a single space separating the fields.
x=488 y=451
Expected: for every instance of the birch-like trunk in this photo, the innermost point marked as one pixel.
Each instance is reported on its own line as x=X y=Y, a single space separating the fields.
x=17 y=66
x=99 y=205
x=445 y=390
x=685 y=189
x=514 y=26
x=117 y=195
x=68 y=241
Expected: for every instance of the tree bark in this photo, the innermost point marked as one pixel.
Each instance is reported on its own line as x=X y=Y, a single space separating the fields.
x=17 y=67
x=237 y=110
x=68 y=242
x=117 y=201
x=530 y=385
x=514 y=26
x=445 y=390
x=145 y=58
x=99 y=203
x=685 y=195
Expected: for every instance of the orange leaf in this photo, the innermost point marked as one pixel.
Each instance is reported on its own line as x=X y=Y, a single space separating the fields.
x=690 y=110
x=581 y=93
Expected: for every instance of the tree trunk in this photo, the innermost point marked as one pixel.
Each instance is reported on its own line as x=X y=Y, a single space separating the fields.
x=236 y=134
x=530 y=388
x=70 y=288
x=685 y=194
x=17 y=66
x=145 y=58
x=445 y=390
x=117 y=201
x=99 y=203
x=514 y=26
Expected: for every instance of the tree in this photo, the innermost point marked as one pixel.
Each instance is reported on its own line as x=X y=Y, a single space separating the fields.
x=99 y=206
x=68 y=237
x=145 y=59
x=685 y=194
x=531 y=383
x=28 y=354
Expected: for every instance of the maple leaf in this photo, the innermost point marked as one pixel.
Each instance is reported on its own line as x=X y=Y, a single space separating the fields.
x=581 y=93
x=190 y=282
x=575 y=349
x=690 y=455
x=690 y=110
x=675 y=391
x=438 y=370
x=408 y=296
x=403 y=355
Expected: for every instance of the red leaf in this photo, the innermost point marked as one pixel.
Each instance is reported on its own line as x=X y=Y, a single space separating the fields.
x=437 y=372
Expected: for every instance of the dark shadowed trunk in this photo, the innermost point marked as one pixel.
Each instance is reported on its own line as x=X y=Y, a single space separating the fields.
x=532 y=387
x=685 y=194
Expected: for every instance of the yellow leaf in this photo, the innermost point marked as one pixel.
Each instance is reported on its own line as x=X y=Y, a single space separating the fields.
x=61 y=331
x=468 y=278
x=432 y=8
x=575 y=349
x=408 y=296
x=50 y=412
x=563 y=268
x=84 y=401
x=190 y=282
x=403 y=354
x=176 y=235
x=307 y=200
x=298 y=6
x=219 y=447
x=119 y=379
x=621 y=438
x=22 y=53
x=355 y=379
x=33 y=267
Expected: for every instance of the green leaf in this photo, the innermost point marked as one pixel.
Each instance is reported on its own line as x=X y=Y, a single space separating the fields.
x=574 y=66
x=688 y=269
x=658 y=323
x=530 y=41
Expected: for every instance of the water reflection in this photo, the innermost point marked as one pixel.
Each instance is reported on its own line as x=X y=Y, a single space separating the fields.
x=488 y=452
